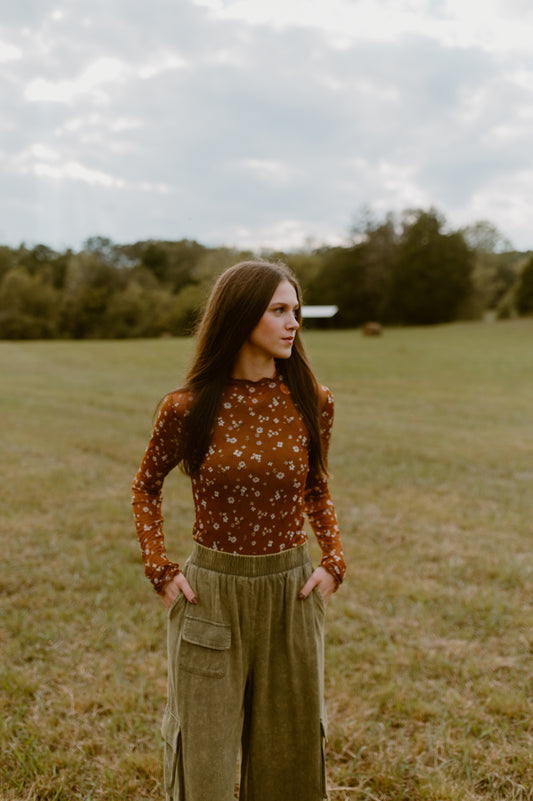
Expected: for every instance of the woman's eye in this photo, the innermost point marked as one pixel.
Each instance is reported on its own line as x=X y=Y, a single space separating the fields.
x=282 y=310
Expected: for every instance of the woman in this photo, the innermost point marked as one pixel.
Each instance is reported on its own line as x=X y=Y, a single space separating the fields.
x=251 y=428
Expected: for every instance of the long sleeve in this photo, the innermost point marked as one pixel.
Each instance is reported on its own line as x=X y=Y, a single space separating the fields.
x=319 y=506
x=252 y=491
x=161 y=456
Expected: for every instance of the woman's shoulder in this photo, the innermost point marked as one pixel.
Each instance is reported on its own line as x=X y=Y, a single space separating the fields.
x=325 y=397
x=178 y=403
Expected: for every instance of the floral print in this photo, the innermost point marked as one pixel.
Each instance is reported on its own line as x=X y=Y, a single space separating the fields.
x=253 y=488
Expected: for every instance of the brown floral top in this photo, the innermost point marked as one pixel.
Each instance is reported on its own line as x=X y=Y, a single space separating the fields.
x=253 y=488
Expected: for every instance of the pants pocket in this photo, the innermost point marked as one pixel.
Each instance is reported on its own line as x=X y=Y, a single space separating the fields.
x=319 y=598
x=173 y=763
x=176 y=603
x=204 y=648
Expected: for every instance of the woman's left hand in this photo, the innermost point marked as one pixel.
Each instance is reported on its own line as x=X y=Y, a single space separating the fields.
x=321 y=579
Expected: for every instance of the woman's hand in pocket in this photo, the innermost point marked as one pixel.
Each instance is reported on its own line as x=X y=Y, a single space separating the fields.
x=178 y=584
x=321 y=579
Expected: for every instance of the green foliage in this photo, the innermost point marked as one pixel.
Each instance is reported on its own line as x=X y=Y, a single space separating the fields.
x=495 y=272
x=172 y=263
x=91 y=284
x=493 y=275
x=127 y=313
x=524 y=292
x=7 y=260
x=358 y=278
x=343 y=282
x=484 y=237
x=433 y=272
x=28 y=306
x=399 y=270
x=412 y=273
x=155 y=260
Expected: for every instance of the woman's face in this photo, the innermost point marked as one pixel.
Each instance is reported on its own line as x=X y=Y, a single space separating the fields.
x=273 y=336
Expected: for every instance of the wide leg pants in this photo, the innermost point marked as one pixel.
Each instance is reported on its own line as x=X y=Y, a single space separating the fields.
x=245 y=676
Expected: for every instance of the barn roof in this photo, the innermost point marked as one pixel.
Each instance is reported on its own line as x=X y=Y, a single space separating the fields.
x=319 y=311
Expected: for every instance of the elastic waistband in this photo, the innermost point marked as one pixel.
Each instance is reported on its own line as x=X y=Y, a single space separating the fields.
x=250 y=566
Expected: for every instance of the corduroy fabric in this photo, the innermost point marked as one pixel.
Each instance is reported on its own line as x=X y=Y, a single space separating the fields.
x=246 y=675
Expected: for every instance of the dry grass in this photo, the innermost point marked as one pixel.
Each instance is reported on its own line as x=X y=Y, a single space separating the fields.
x=430 y=641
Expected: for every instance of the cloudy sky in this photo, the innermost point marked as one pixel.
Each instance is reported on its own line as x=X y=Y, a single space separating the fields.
x=261 y=122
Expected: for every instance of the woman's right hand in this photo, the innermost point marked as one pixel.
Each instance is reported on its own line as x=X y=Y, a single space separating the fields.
x=178 y=584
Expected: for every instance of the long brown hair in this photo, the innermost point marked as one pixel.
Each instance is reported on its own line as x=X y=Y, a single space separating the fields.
x=237 y=302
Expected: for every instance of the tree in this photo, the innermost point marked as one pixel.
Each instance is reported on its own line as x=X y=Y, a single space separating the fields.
x=7 y=260
x=185 y=310
x=28 y=306
x=341 y=282
x=493 y=274
x=173 y=263
x=306 y=266
x=90 y=285
x=484 y=237
x=380 y=251
x=129 y=313
x=432 y=275
x=155 y=259
x=524 y=290
x=358 y=278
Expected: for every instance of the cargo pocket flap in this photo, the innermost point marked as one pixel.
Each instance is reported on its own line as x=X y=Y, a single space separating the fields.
x=207 y=633
x=170 y=728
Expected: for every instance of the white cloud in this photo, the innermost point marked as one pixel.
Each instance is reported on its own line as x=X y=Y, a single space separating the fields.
x=103 y=123
x=163 y=63
x=263 y=120
x=40 y=152
x=285 y=235
x=100 y=72
x=269 y=170
x=9 y=52
x=493 y=25
x=400 y=181
x=75 y=171
x=44 y=162
x=507 y=200
x=524 y=79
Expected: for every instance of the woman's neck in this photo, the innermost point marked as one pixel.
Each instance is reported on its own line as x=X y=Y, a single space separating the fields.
x=248 y=368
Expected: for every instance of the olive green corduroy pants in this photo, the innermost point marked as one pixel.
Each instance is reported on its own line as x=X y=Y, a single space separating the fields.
x=245 y=675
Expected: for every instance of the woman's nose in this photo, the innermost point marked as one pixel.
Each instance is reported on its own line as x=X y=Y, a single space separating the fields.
x=293 y=322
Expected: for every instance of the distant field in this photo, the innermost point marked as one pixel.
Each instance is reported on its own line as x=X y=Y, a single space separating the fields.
x=430 y=640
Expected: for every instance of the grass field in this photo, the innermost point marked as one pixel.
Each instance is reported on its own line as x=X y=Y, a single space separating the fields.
x=430 y=640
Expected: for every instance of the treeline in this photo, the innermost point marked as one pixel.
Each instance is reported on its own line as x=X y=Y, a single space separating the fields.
x=408 y=269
